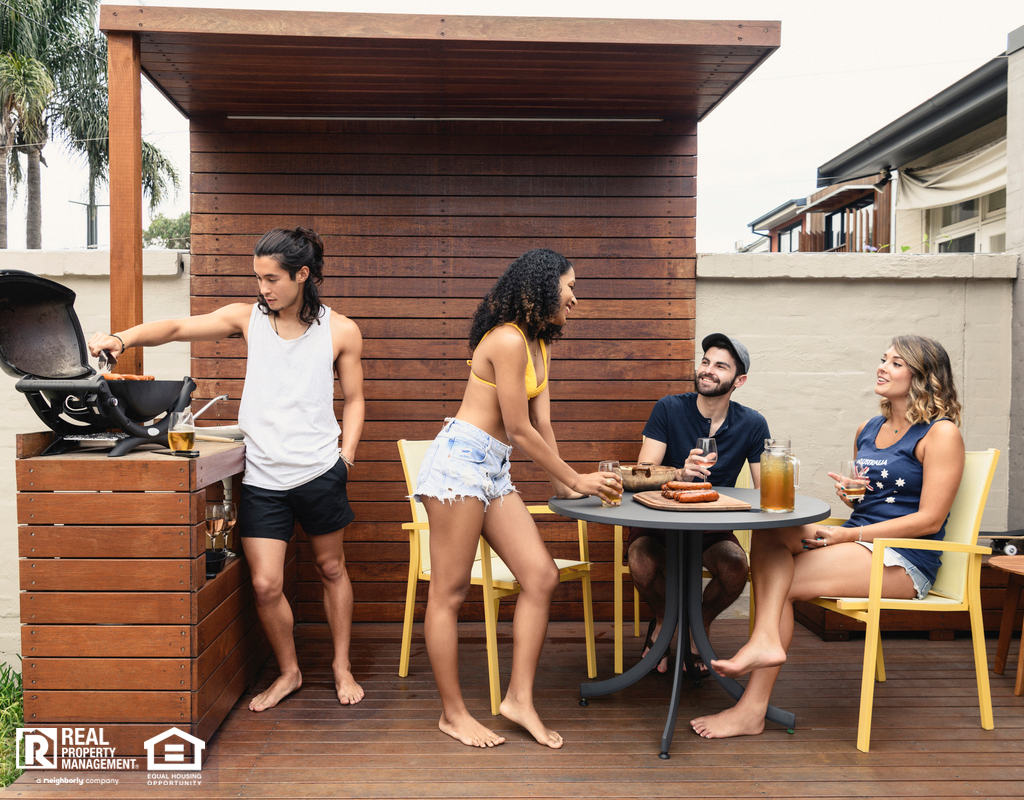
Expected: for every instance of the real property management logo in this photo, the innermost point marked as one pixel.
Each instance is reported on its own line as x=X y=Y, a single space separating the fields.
x=88 y=749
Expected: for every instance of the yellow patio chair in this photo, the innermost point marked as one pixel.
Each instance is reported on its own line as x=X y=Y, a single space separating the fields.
x=956 y=588
x=489 y=572
x=622 y=569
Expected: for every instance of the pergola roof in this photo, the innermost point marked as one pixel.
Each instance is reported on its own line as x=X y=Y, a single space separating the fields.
x=323 y=64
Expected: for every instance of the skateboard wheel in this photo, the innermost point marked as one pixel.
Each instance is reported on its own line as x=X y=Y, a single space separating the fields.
x=1010 y=549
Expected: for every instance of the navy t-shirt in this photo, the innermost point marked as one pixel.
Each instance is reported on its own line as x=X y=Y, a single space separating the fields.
x=676 y=421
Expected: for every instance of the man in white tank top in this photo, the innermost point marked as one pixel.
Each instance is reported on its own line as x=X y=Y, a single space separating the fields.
x=293 y=469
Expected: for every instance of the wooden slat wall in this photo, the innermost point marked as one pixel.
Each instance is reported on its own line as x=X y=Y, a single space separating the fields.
x=419 y=219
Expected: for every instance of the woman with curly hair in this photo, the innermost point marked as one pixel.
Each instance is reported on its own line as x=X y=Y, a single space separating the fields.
x=915 y=457
x=465 y=486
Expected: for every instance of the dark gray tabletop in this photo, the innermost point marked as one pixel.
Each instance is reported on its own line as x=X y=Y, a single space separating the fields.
x=807 y=509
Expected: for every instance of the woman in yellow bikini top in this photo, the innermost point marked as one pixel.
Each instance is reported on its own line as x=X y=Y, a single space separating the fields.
x=465 y=485
x=532 y=387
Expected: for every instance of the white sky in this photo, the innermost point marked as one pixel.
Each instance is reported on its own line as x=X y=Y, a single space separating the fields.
x=844 y=70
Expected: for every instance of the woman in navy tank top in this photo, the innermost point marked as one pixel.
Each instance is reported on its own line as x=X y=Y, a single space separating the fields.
x=915 y=457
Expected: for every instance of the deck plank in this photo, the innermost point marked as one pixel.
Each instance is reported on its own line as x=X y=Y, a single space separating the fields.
x=926 y=738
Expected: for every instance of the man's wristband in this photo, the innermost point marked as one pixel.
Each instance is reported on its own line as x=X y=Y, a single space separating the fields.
x=347 y=462
x=123 y=346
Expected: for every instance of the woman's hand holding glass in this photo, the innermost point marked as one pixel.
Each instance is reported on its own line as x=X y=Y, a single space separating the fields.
x=852 y=482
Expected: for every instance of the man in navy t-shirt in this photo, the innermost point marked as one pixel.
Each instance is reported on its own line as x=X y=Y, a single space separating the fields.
x=670 y=438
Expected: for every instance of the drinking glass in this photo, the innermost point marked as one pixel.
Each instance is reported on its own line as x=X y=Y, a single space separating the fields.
x=230 y=518
x=181 y=434
x=708 y=447
x=610 y=466
x=214 y=526
x=854 y=478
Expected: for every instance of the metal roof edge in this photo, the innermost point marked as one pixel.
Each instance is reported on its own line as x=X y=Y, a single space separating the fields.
x=789 y=205
x=953 y=112
x=1015 y=41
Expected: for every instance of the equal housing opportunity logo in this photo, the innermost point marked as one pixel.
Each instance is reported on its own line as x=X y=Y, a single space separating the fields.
x=88 y=749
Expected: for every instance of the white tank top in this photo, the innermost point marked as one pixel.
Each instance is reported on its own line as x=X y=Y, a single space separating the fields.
x=287 y=409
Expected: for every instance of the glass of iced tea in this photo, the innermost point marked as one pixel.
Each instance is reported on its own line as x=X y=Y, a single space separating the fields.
x=610 y=466
x=854 y=478
x=181 y=433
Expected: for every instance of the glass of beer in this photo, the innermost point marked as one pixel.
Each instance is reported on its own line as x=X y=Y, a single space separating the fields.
x=854 y=478
x=181 y=433
x=610 y=466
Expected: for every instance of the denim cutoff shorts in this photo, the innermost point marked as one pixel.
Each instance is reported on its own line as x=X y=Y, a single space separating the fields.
x=891 y=558
x=462 y=462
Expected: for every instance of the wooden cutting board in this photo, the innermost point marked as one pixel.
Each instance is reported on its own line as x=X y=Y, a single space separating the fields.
x=723 y=503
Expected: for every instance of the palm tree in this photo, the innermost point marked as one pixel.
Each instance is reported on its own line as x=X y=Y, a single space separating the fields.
x=25 y=89
x=62 y=35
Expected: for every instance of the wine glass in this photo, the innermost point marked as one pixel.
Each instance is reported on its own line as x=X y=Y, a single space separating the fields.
x=230 y=511
x=707 y=446
x=214 y=525
x=610 y=466
x=181 y=433
x=854 y=478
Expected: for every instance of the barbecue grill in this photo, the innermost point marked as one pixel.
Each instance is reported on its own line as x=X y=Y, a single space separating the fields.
x=42 y=344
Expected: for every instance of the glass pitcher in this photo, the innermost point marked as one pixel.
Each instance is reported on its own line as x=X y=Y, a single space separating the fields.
x=780 y=476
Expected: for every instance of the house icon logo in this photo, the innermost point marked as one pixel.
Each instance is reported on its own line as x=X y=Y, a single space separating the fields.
x=165 y=755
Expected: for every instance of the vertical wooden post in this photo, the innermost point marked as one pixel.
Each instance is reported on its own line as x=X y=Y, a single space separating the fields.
x=124 y=76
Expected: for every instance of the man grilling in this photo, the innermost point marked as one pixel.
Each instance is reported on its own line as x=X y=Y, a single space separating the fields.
x=293 y=470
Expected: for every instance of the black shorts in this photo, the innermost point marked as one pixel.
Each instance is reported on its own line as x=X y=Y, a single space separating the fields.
x=320 y=506
x=709 y=537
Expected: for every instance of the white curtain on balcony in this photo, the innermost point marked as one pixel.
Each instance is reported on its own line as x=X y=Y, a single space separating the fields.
x=974 y=174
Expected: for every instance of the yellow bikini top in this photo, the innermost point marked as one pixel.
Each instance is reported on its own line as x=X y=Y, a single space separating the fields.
x=532 y=389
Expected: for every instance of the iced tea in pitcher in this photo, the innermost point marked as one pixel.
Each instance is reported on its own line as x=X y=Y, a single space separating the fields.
x=780 y=476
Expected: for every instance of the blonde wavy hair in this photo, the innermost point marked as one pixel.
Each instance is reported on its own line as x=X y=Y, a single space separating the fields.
x=932 y=392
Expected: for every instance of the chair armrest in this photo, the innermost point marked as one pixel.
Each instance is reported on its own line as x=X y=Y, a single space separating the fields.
x=931 y=544
x=539 y=510
x=415 y=526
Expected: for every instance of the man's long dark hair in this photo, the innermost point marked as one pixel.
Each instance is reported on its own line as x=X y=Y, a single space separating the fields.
x=293 y=250
x=528 y=294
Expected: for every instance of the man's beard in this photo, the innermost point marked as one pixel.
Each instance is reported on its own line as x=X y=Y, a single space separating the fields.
x=715 y=391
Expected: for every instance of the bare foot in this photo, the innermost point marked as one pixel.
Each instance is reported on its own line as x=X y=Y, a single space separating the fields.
x=349 y=692
x=279 y=689
x=753 y=655
x=528 y=718
x=468 y=731
x=731 y=722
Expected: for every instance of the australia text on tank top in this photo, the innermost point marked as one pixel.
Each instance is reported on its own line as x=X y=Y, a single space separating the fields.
x=287 y=408
x=896 y=478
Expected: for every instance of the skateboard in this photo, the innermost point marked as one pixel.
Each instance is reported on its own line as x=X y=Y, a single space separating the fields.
x=1008 y=543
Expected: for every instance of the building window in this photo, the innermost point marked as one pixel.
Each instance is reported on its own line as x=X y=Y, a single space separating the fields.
x=789 y=239
x=974 y=226
x=851 y=228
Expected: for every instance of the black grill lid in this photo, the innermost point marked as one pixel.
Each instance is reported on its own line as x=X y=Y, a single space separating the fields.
x=40 y=334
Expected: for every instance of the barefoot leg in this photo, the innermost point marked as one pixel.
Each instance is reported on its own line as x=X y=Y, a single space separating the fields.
x=329 y=559
x=513 y=534
x=646 y=556
x=266 y=563
x=454 y=535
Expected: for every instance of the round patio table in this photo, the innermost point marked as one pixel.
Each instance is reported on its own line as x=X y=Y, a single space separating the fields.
x=683 y=566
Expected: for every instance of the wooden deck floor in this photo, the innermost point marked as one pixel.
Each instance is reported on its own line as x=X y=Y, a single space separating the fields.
x=926 y=740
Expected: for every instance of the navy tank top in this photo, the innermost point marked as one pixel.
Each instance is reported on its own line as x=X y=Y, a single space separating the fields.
x=896 y=477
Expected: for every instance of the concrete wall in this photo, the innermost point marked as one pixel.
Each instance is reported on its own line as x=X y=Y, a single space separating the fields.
x=165 y=294
x=1015 y=245
x=816 y=326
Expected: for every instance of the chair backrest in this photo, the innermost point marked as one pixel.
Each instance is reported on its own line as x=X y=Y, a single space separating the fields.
x=965 y=520
x=743 y=482
x=412 y=452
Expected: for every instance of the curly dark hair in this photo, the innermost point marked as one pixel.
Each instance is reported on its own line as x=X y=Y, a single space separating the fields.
x=528 y=294
x=293 y=250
